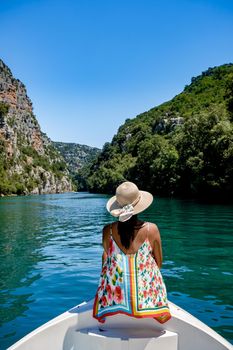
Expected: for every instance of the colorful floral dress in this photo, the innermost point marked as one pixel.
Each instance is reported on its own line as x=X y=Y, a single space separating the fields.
x=131 y=284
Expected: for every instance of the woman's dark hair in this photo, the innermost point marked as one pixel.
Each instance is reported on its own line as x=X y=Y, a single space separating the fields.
x=126 y=230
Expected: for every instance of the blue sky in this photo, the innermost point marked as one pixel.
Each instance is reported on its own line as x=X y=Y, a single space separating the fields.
x=88 y=65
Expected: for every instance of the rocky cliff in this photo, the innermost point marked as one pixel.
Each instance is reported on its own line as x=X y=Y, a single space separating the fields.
x=29 y=163
x=76 y=155
x=78 y=159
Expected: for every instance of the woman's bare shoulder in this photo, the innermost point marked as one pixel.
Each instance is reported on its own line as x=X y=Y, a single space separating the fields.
x=106 y=236
x=107 y=230
x=153 y=232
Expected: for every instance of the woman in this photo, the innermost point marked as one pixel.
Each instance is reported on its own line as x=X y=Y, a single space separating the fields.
x=130 y=281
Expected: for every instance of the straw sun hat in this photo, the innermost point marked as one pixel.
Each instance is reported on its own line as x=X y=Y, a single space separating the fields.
x=128 y=201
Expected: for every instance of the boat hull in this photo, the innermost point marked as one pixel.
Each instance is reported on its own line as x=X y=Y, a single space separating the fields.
x=76 y=329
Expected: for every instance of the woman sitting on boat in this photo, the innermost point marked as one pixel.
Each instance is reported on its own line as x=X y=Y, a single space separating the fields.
x=130 y=281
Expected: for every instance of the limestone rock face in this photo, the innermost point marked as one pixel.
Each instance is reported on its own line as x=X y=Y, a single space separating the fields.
x=76 y=155
x=29 y=163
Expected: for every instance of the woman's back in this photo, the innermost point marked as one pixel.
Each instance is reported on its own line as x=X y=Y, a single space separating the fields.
x=139 y=235
x=130 y=281
x=141 y=231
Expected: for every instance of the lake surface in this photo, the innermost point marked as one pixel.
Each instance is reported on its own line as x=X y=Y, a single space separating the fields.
x=50 y=258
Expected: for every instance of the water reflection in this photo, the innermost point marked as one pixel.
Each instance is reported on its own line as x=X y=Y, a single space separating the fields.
x=20 y=245
x=197 y=269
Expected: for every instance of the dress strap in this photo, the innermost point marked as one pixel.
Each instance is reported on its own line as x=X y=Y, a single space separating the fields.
x=148 y=227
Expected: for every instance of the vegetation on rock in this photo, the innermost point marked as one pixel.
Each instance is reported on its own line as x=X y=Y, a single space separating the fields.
x=183 y=147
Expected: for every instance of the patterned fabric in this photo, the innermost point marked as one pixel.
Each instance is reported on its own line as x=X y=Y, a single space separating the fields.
x=131 y=284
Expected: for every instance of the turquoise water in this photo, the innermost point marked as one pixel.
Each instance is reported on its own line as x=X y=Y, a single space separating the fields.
x=50 y=258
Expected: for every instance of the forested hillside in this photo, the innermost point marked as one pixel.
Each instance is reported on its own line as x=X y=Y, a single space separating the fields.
x=182 y=147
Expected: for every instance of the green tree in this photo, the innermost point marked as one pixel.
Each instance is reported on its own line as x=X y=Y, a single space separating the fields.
x=155 y=168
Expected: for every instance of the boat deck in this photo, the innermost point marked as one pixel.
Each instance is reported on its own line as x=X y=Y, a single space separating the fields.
x=76 y=329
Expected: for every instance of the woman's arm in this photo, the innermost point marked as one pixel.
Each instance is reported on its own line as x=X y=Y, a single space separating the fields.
x=104 y=256
x=156 y=244
x=105 y=242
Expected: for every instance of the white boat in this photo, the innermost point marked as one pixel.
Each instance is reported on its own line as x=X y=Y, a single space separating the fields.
x=76 y=329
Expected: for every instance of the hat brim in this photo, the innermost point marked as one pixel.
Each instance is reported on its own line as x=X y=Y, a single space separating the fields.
x=145 y=201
